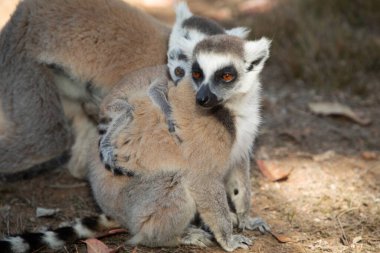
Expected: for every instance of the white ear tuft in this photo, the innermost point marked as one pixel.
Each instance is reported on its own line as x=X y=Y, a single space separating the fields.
x=241 y=32
x=256 y=53
x=182 y=11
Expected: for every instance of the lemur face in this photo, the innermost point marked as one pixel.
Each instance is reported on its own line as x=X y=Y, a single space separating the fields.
x=225 y=66
x=187 y=31
x=178 y=64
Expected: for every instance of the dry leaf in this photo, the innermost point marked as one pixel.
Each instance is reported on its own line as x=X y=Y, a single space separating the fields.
x=326 y=108
x=273 y=170
x=282 y=238
x=368 y=155
x=96 y=246
x=112 y=232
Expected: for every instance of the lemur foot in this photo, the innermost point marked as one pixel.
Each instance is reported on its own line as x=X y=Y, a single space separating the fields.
x=237 y=241
x=257 y=223
x=197 y=237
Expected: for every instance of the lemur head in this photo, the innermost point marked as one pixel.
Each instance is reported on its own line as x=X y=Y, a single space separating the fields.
x=187 y=31
x=226 y=67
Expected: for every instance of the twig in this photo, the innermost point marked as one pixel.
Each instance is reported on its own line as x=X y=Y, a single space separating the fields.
x=344 y=236
x=67 y=186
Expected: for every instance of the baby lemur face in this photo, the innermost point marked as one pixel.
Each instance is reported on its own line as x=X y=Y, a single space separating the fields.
x=187 y=31
x=226 y=67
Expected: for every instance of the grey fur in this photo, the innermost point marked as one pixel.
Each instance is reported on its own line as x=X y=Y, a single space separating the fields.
x=221 y=44
x=203 y=25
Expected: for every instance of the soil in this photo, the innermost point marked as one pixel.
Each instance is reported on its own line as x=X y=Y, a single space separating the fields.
x=330 y=202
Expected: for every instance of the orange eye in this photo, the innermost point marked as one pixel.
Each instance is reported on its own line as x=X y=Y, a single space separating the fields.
x=196 y=74
x=228 y=77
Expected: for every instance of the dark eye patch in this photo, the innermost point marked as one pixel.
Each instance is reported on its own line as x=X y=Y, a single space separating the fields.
x=196 y=68
x=182 y=57
x=218 y=76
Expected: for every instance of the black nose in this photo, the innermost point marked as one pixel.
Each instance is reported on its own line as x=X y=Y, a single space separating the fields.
x=205 y=97
x=179 y=72
x=202 y=99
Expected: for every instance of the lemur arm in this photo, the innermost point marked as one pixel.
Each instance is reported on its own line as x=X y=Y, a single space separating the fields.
x=158 y=93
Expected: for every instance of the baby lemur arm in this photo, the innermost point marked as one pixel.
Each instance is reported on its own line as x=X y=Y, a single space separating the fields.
x=158 y=93
x=114 y=118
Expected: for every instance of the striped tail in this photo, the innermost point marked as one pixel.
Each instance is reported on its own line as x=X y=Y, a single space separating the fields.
x=55 y=239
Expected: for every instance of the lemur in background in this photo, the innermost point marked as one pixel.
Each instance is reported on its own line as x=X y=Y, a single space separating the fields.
x=58 y=59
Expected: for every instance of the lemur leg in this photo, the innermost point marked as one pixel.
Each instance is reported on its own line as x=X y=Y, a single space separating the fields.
x=159 y=209
x=158 y=91
x=34 y=126
x=211 y=201
x=238 y=184
x=84 y=134
x=119 y=112
x=197 y=236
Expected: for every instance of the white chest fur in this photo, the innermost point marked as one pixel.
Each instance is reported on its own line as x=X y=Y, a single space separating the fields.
x=246 y=122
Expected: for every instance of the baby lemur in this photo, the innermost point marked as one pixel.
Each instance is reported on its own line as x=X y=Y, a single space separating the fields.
x=221 y=107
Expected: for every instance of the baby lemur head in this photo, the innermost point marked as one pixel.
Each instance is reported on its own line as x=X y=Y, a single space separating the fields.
x=187 y=31
x=224 y=68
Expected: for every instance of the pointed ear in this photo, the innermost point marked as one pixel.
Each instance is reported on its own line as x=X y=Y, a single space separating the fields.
x=241 y=32
x=256 y=53
x=182 y=11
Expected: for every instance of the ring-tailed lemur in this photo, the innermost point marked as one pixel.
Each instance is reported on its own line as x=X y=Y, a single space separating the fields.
x=225 y=77
x=187 y=31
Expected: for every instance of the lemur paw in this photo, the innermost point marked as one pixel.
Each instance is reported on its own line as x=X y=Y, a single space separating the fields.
x=171 y=125
x=197 y=237
x=237 y=241
x=257 y=223
x=109 y=159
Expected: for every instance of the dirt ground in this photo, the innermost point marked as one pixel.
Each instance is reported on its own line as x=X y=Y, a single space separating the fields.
x=330 y=202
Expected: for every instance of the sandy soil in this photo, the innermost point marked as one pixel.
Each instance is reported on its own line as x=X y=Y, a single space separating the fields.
x=330 y=201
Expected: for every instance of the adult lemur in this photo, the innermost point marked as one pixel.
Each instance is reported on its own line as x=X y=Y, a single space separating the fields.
x=57 y=61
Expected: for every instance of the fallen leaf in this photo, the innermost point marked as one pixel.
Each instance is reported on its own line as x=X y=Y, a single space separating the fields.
x=112 y=232
x=96 y=246
x=368 y=155
x=282 y=238
x=326 y=108
x=273 y=170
